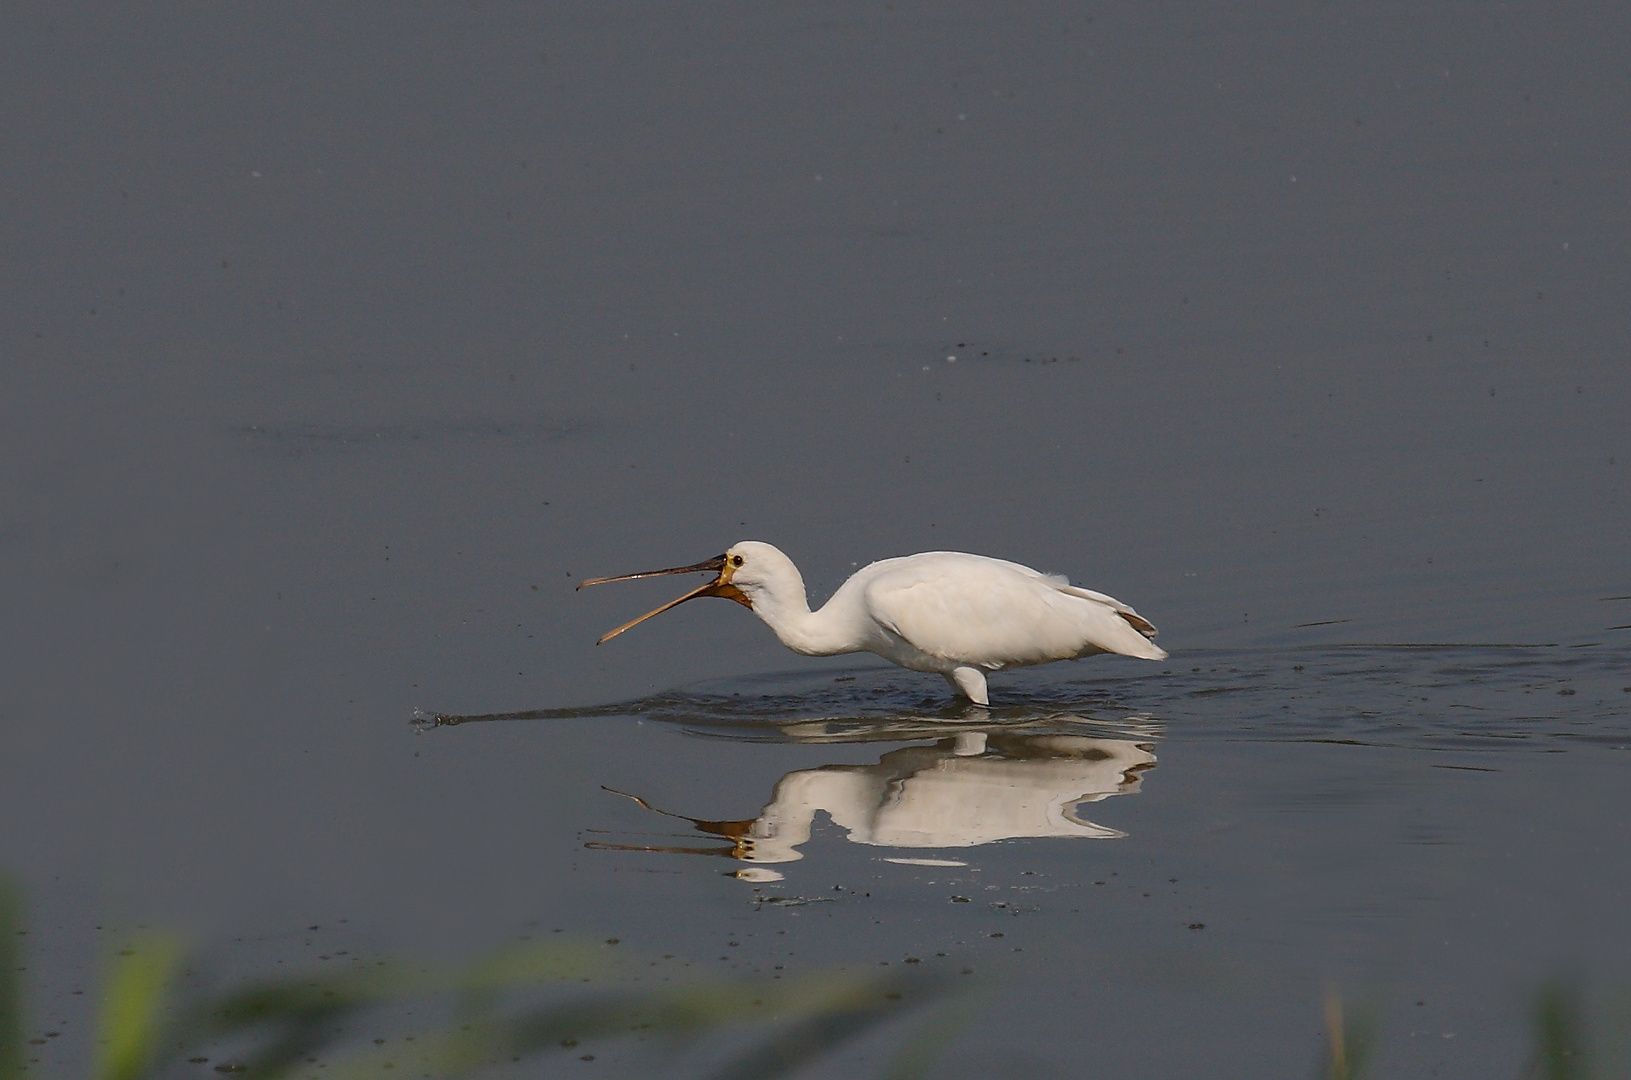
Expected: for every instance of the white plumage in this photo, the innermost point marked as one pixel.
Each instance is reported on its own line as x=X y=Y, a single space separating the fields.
x=957 y=614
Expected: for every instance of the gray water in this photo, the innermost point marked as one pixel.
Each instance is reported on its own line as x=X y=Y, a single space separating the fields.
x=338 y=344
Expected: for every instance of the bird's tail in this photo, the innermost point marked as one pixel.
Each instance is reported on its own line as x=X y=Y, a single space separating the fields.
x=1143 y=645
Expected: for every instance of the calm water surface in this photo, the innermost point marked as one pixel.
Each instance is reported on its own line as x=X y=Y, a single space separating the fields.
x=337 y=345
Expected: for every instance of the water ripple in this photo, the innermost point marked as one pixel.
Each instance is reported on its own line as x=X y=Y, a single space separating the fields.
x=1439 y=697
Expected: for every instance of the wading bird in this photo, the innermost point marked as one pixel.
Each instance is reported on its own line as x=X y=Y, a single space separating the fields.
x=960 y=615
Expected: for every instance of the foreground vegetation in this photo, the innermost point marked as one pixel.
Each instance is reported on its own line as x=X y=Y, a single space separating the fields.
x=1562 y=1046
x=525 y=1003
x=511 y=1006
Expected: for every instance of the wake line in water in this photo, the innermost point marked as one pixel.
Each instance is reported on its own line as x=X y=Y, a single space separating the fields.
x=861 y=699
x=1416 y=694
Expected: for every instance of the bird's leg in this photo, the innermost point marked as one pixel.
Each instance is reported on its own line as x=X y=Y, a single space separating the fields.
x=970 y=682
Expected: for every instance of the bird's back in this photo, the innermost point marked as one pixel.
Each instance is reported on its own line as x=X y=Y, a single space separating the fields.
x=989 y=613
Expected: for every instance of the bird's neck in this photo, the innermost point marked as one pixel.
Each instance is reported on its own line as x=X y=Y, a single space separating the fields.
x=812 y=633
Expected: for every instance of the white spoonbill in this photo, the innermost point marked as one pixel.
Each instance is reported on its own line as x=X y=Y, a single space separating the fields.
x=961 y=615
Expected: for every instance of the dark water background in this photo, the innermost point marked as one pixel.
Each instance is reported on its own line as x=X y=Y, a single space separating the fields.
x=336 y=344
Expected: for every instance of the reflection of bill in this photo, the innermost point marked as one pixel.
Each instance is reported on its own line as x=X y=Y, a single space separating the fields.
x=974 y=788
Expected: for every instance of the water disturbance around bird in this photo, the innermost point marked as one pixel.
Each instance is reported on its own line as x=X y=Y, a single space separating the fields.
x=1414 y=694
x=964 y=775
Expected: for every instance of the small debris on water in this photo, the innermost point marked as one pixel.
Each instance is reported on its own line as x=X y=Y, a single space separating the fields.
x=796 y=901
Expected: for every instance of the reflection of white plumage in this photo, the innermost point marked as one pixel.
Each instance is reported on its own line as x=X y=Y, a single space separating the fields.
x=941 y=797
x=960 y=615
x=976 y=788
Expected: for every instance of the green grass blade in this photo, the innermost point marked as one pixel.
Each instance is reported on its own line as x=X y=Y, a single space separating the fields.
x=302 y=997
x=797 y=1046
x=132 y=1020
x=1350 y=1038
x=928 y=1041
x=1560 y=1050
x=12 y=1028
x=522 y=965
x=829 y=1024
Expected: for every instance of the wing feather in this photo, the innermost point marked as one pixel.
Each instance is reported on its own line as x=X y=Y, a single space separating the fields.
x=991 y=614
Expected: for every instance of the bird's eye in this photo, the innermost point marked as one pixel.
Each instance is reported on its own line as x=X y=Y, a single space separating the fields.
x=736 y=560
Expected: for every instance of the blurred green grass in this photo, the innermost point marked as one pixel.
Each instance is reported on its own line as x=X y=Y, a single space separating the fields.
x=12 y=1024
x=150 y=1022
x=1564 y=1047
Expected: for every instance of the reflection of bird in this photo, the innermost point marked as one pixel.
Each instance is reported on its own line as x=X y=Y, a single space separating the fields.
x=975 y=788
x=961 y=615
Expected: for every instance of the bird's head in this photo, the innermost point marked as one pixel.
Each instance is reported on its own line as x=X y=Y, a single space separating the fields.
x=759 y=572
x=748 y=571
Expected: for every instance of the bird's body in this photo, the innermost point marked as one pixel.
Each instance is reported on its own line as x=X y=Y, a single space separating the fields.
x=944 y=611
